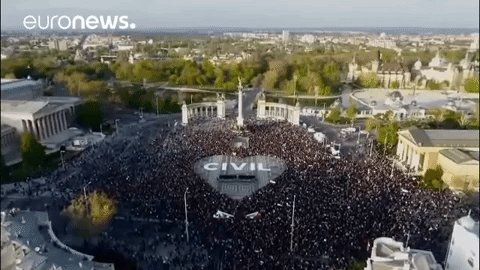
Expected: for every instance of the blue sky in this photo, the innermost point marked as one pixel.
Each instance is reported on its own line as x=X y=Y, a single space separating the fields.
x=257 y=13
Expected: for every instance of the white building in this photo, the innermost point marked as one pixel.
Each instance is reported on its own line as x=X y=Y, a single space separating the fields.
x=47 y=118
x=307 y=39
x=406 y=103
x=388 y=254
x=20 y=89
x=56 y=44
x=463 y=251
x=439 y=70
x=474 y=46
x=285 y=36
x=382 y=42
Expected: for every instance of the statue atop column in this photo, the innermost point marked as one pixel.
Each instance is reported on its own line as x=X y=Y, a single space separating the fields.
x=240 y=103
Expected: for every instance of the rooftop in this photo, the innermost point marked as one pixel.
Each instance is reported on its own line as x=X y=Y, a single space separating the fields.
x=39 y=105
x=460 y=156
x=384 y=100
x=388 y=254
x=27 y=232
x=7 y=84
x=469 y=224
x=442 y=137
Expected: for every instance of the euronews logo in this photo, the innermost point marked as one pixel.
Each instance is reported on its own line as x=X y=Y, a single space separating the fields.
x=91 y=22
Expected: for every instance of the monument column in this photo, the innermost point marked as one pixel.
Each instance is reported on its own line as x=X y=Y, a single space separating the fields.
x=184 y=114
x=240 y=103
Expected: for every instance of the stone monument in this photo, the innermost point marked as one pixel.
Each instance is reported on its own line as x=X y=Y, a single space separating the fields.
x=240 y=104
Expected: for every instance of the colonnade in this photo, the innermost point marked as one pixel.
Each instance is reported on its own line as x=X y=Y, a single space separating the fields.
x=46 y=126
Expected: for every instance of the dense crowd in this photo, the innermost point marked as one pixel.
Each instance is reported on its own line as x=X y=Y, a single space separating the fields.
x=341 y=205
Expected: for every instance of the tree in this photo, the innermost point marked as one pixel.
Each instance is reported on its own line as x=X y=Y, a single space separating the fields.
x=33 y=153
x=368 y=80
x=472 y=85
x=335 y=115
x=387 y=134
x=371 y=124
x=395 y=85
x=352 y=112
x=90 y=114
x=91 y=215
x=433 y=85
x=3 y=169
x=433 y=178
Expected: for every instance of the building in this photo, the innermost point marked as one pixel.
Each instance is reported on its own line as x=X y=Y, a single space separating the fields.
x=382 y=42
x=412 y=104
x=474 y=46
x=28 y=243
x=47 y=118
x=456 y=151
x=59 y=45
x=439 y=70
x=10 y=145
x=463 y=248
x=387 y=73
x=20 y=89
x=388 y=254
x=285 y=36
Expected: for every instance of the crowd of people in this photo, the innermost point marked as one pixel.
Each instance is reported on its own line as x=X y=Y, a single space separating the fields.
x=341 y=205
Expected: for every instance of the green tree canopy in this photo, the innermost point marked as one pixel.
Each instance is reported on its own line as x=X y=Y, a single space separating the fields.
x=91 y=215
x=352 y=111
x=90 y=114
x=472 y=85
x=368 y=80
x=335 y=115
x=395 y=85
x=33 y=153
x=433 y=178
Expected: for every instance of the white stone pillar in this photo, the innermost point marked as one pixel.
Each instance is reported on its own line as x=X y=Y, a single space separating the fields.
x=50 y=124
x=220 y=109
x=400 y=146
x=59 y=122
x=37 y=129
x=30 y=126
x=184 y=114
x=240 y=108
x=41 y=121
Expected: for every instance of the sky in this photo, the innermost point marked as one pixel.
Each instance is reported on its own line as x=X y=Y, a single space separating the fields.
x=257 y=13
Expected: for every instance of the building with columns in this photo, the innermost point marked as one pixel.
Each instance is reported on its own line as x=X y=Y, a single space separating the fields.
x=47 y=118
x=456 y=151
x=204 y=109
x=278 y=111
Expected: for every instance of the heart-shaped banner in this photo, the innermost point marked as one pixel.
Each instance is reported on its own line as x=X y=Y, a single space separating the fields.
x=239 y=177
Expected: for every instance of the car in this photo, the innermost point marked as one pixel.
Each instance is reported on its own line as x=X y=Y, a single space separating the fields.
x=311 y=130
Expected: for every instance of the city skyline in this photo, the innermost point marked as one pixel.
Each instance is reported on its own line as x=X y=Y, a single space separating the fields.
x=251 y=14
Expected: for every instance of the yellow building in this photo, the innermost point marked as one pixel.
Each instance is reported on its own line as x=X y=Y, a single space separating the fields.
x=456 y=151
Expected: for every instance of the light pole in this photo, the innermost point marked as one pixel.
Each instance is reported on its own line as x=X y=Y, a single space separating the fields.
x=294 y=85
x=61 y=157
x=116 y=125
x=186 y=214
x=293 y=224
x=358 y=139
x=101 y=128
x=85 y=195
x=393 y=166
